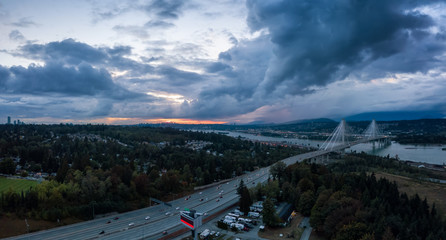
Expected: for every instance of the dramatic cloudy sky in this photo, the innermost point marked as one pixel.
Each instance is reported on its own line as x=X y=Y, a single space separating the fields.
x=117 y=61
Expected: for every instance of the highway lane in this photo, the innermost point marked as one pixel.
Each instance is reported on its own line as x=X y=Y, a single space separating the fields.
x=207 y=200
x=209 y=205
x=169 y=224
x=158 y=218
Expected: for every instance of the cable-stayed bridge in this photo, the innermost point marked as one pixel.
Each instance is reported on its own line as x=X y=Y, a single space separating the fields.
x=339 y=139
x=342 y=137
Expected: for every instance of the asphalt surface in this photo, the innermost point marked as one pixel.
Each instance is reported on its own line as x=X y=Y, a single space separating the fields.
x=162 y=218
x=307 y=232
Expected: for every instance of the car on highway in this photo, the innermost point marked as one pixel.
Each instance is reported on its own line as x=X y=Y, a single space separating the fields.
x=108 y=221
x=164 y=232
x=201 y=199
x=218 y=200
x=167 y=213
x=177 y=208
x=102 y=232
x=116 y=218
x=201 y=193
x=147 y=218
x=131 y=224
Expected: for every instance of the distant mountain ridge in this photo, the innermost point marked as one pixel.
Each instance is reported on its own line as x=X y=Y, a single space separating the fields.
x=316 y=120
x=396 y=116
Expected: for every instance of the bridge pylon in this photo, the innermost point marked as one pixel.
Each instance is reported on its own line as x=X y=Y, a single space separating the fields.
x=336 y=138
x=372 y=131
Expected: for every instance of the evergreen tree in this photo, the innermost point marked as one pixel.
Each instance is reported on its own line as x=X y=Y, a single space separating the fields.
x=245 y=200
x=240 y=187
x=269 y=214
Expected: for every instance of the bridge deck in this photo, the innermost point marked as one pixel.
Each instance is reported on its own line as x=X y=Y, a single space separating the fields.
x=309 y=155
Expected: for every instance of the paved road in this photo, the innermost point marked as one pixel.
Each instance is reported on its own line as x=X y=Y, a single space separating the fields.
x=162 y=218
x=307 y=232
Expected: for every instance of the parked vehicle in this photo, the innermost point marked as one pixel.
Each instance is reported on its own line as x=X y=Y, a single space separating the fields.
x=205 y=233
x=253 y=214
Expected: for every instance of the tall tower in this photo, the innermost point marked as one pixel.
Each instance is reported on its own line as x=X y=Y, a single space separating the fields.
x=9 y=120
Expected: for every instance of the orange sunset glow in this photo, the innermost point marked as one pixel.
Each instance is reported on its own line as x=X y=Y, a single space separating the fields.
x=115 y=120
x=182 y=121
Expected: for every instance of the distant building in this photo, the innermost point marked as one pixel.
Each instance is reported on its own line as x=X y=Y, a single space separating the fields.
x=9 y=120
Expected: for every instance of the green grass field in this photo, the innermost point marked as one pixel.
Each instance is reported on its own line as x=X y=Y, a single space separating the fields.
x=16 y=184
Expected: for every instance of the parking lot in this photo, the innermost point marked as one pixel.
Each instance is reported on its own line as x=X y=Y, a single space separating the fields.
x=228 y=234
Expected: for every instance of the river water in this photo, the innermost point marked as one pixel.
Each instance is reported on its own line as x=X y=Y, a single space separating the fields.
x=429 y=153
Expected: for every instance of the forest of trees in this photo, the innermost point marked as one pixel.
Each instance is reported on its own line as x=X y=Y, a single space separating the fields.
x=346 y=204
x=117 y=168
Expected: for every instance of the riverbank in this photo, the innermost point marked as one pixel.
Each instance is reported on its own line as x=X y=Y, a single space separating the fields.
x=430 y=166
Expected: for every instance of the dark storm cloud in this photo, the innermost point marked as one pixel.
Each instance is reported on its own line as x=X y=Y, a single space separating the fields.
x=74 y=70
x=4 y=76
x=318 y=42
x=217 y=67
x=53 y=78
x=119 y=51
x=71 y=52
x=176 y=77
x=240 y=70
x=24 y=22
x=224 y=56
x=16 y=35
x=68 y=51
x=102 y=108
x=165 y=9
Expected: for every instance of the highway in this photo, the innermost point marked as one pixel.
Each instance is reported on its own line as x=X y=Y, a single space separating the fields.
x=161 y=217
